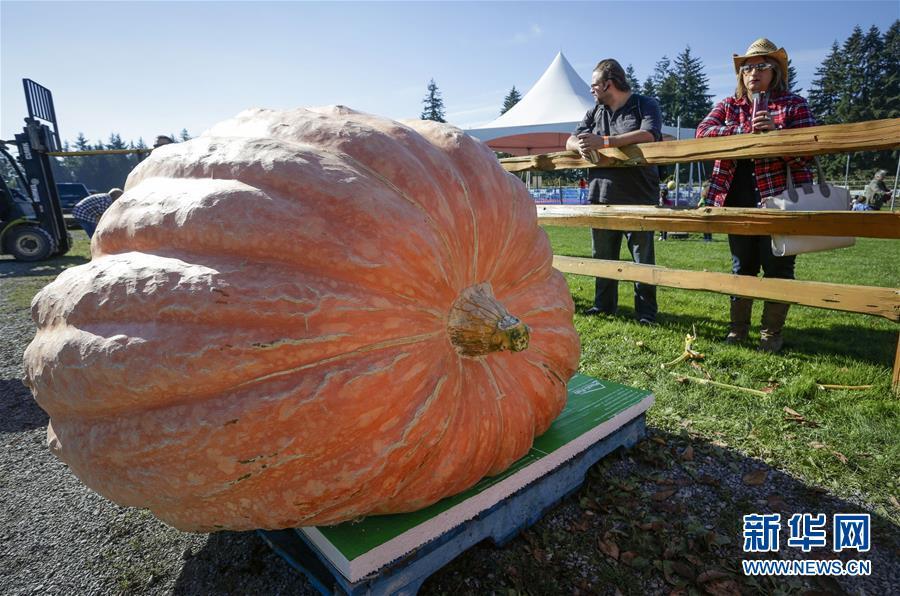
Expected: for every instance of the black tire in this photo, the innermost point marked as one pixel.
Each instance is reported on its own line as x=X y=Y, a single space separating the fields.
x=29 y=243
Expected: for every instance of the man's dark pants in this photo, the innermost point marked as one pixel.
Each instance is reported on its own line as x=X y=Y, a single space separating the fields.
x=606 y=245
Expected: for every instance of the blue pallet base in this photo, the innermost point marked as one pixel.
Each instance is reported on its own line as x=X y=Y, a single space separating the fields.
x=501 y=523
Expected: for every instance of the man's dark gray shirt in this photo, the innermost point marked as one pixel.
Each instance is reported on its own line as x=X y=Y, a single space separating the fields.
x=624 y=186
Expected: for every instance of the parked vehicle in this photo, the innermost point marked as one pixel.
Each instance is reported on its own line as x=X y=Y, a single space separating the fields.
x=70 y=193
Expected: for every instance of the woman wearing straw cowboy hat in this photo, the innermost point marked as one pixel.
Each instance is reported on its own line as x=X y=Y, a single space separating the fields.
x=762 y=73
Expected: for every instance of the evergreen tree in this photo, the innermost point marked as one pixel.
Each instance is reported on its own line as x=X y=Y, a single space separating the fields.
x=511 y=99
x=889 y=88
x=792 y=79
x=692 y=100
x=434 y=105
x=81 y=143
x=184 y=135
x=850 y=107
x=632 y=79
x=648 y=89
x=827 y=87
x=666 y=86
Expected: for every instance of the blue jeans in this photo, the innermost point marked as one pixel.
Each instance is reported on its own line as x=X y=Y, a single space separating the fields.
x=749 y=254
x=606 y=244
x=88 y=226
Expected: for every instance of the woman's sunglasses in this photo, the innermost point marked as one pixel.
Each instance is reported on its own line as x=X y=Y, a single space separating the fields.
x=748 y=68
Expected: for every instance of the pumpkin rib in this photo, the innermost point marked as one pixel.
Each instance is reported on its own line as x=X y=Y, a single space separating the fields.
x=322 y=516
x=467 y=154
x=428 y=218
x=256 y=182
x=505 y=455
x=399 y=495
x=407 y=431
x=411 y=149
x=511 y=232
x=205 y=389
x=375 y=464
x=518 y=419
x=274 y=298
x=233 y=405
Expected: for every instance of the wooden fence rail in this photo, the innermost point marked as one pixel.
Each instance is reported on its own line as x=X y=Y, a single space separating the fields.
x=864 y=136
x=870 y=300
x=876 y=135
x=727 y=220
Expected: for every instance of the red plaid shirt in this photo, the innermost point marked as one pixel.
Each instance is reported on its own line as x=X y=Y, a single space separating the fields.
x=732 y=117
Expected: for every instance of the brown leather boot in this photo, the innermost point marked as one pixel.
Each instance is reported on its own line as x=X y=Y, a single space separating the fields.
x=774 y=314
x=741 y=311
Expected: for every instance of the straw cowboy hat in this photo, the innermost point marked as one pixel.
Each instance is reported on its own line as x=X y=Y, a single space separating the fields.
x=763 y=48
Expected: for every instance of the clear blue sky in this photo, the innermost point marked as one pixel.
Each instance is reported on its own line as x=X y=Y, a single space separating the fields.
x=144 y=68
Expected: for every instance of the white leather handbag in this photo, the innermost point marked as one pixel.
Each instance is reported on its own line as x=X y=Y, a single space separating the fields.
x=809 y=197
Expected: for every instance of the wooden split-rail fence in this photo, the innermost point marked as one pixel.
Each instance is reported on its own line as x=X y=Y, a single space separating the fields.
x=838 y=138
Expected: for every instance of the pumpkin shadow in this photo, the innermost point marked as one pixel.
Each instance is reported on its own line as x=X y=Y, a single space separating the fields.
x=52 y=267
x=18 y=410
x=238 y=563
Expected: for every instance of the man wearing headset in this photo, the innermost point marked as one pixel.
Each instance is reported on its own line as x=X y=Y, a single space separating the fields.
x=621 y=117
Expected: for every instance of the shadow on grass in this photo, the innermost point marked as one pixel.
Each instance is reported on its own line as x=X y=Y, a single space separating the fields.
x=651 y=520
x=11 y=268
x=850 y=342
x=18 y=410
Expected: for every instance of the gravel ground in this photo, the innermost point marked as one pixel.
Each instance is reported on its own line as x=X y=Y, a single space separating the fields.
x=661 y=519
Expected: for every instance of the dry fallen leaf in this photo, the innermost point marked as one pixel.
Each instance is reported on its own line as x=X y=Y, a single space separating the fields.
x=707 y=479
x=687 y=454
x=795 y=416
x=658 y=440
x=755 y=478
x=816 y=445
x=776 y=503
x=841 y=457
x=609 y=548
x=711 y=575
x=664 y=494
x=894 y=501
x=722 y=587
x=628 y=556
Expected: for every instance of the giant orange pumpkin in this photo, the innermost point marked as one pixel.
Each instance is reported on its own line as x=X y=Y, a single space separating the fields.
x=303 y=317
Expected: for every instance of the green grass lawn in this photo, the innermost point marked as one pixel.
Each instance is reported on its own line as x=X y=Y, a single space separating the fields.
x=850 y=440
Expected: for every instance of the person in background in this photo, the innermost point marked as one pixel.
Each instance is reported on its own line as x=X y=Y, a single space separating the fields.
x=877 y=192
x=620 y=118
x=704 y=192
x=582 y=191
x=859 y=205
x=748 y=182
x=666 y=203
x=162 y=140
x=87 y=211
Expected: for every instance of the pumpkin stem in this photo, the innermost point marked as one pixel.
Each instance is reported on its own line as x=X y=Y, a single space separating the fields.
x=479 y=325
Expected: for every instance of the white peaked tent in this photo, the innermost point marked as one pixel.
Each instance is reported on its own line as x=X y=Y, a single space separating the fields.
x=543 y=119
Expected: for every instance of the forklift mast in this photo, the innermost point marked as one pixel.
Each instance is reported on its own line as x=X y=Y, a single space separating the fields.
x=33 y=144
